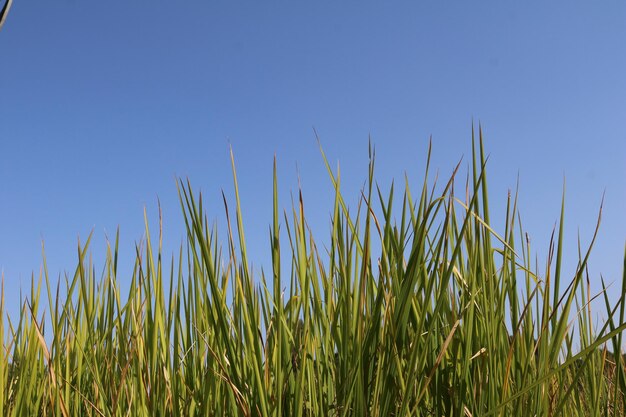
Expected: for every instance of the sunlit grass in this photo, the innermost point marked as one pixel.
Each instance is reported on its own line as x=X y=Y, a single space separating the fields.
x=447 y=318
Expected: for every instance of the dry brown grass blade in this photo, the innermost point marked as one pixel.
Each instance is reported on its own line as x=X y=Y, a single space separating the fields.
x=46 y=352
x=4 y=12
x=438 y=360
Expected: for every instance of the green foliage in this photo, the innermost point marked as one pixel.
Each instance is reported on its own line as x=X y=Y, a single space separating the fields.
x=447 y=318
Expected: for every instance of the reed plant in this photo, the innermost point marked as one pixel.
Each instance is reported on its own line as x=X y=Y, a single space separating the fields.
x=430 y=312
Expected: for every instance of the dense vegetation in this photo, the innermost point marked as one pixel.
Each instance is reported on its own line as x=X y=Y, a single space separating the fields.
x=447 y=318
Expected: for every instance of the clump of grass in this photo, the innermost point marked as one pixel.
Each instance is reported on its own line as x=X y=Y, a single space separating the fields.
x=447 y=318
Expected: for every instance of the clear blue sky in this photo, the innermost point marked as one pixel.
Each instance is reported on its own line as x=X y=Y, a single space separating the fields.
x=103 y=104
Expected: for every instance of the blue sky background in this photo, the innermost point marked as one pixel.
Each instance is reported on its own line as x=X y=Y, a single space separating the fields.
x=104 y=104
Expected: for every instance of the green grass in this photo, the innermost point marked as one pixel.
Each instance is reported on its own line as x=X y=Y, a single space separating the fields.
x=418 y=328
